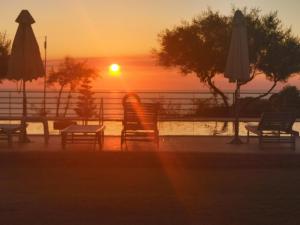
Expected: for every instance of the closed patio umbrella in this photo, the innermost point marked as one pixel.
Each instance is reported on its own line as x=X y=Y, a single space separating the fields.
x=25 y=62
x=237 y=66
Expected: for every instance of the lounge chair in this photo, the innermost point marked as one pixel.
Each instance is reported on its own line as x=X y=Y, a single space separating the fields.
x=274 y=127
x=88 y=134
x=7 y=131
x=140 y=121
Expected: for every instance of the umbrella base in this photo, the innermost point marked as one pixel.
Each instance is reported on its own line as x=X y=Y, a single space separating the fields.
x=25 y=140
x=24 y=137
x=236 y=141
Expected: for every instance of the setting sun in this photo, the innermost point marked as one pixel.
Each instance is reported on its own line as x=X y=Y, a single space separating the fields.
x=114 y=69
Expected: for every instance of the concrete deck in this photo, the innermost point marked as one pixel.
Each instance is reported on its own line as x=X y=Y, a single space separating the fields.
x=167 y=144
x=191 y=180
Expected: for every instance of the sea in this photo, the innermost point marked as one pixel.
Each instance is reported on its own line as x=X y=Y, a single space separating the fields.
x=139 y=74
x=176 y=102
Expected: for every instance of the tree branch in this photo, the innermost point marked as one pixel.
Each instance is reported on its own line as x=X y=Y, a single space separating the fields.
x=253 y=75
x=217 y=91
x=261 y=96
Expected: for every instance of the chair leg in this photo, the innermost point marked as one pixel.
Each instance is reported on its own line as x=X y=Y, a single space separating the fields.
x=63 y=140
x=293 y=142
x=248 y=136
x=260 y=141
x=9 y=139
x=102 y=140
x=121 y=141
x=46 y=132
x=157 y=142
x=96 y=141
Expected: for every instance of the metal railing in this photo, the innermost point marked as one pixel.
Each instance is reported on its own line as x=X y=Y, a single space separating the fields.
x=174 y=105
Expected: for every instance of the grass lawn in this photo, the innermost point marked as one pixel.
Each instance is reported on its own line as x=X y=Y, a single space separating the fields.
x=149 y=188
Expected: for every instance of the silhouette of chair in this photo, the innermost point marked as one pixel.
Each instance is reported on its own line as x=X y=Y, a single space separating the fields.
x=7 y=131
x=140 y=121
x=274 y=127
x=87 y=134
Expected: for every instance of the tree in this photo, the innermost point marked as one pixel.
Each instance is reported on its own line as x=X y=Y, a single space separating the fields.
x=86 y=107
x=4 y=54
x=281 y=62
x=201 y=47
x=279 y=56
x=68 y=74
x=197 y=48
x=286 y=100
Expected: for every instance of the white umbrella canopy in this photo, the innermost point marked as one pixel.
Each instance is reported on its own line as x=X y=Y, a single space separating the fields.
x=237 y=66
x=25 y=61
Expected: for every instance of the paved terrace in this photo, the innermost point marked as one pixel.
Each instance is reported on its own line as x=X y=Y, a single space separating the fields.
x=199 y=144
x=190 y=181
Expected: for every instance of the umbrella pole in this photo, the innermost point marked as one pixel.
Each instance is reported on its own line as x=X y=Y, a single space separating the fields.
x=24 y=138
x=24 y=99
x=236 y=139
x=45 y=77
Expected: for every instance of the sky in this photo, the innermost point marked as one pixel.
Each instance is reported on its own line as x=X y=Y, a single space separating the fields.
x=93 y=28
x=121 y=29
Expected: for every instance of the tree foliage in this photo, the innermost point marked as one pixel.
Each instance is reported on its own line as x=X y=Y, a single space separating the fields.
x=69 y=74
x=86 y=107
x=5 y=44
x=286 y=100
x=200 y=47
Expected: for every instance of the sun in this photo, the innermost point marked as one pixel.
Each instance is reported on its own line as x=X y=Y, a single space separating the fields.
x=114 y=69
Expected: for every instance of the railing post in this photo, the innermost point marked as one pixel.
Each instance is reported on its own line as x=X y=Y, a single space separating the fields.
x=9 y=103
x=194 y=112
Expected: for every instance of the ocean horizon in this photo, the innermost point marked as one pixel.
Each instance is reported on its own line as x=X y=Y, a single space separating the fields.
x=142 y=73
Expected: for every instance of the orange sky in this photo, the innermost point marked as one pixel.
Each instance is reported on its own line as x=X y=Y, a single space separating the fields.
x=125 y=32
x=142 y=73
x=97 y=28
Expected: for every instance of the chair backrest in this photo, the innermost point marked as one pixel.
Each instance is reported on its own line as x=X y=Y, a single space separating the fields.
x=279 y=121
x=140 y=116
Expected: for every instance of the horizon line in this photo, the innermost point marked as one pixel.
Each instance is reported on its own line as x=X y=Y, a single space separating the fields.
x=100 y=56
